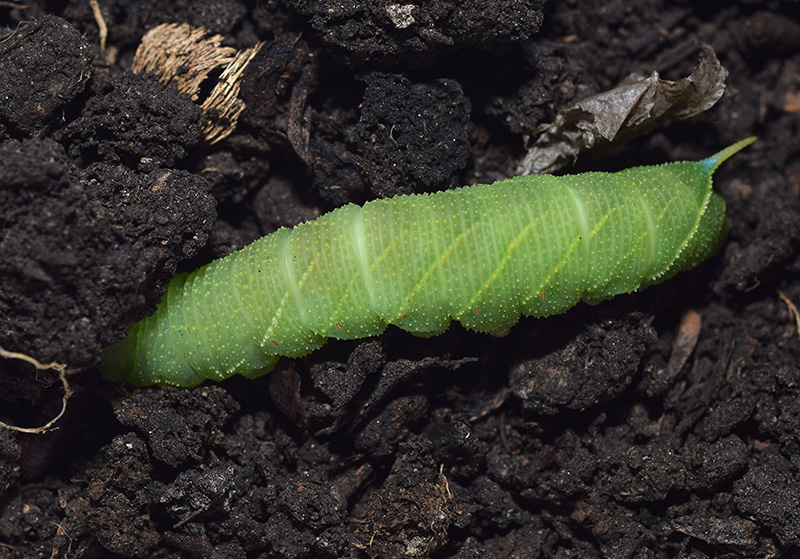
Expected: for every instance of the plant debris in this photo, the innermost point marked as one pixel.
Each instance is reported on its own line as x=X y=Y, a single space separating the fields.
x=187 y=56
x=628 y=109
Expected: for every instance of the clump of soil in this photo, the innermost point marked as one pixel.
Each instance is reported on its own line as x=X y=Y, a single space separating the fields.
x=591 y=434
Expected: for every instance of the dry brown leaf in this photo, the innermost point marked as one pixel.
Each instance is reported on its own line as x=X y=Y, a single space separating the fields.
x=636 y=102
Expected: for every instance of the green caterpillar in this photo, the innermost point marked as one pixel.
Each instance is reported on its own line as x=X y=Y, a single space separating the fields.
x=481 y=255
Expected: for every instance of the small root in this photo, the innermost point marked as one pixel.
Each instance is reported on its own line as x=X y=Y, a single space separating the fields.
x=101 y=23
x=61 y=370
x=792 y=310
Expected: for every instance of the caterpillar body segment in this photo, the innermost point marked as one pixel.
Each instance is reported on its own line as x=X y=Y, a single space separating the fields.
x=482 y=255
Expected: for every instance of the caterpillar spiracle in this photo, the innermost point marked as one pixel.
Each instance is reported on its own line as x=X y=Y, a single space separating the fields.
x=482 y=255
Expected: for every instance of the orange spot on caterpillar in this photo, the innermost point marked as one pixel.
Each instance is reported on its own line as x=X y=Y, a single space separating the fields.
x=477 y=310
x=405 y=317
x=339 y=326
x=274 y=343
x=543 y=294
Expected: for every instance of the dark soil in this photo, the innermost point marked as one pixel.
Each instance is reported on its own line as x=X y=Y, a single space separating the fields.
x=580 y=435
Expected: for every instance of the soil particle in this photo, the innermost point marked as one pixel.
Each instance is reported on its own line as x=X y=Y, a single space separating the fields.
x=772 y=233
x=43 y=67
x=554 y=77
x=269 y=82
x=392 y=425
x=585 y=373
x=650 y=472
x=277 y=201
x=9 y=460
x=395 y=446
x=175 y=438
x=772 y=32
x=737 y=534
x=81 y=246
x=384 y=33
x=411 y=137
x=410 y=515
x=532 y=539
x=408 y=137
x=768 y=493
x=131 y=120
x=116 y=501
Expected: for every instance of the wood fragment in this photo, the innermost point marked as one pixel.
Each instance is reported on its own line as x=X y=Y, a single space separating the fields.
x=792 y=102
x=224 y=98
x=186 y=56
x=685 y=342
x=181 y=54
